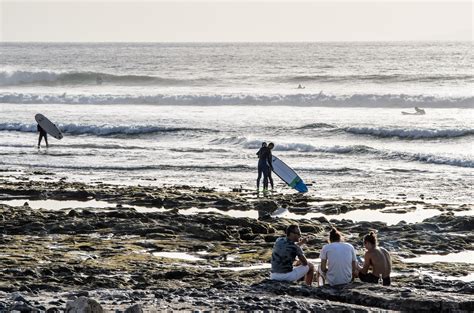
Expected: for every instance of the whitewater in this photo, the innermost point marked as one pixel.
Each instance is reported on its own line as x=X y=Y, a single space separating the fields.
x=197 y=113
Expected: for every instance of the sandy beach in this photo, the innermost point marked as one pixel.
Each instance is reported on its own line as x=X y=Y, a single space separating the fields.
x=195 y=248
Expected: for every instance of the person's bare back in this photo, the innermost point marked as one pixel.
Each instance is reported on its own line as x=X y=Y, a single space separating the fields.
x=380 y=261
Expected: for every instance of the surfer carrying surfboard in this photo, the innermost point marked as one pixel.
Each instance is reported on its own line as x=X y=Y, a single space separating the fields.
x=42 y=133
x=264 y=165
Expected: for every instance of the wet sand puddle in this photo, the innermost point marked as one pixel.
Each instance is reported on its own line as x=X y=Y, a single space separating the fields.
x=358 y=215
x=385 y=215
x=459 y=257
x=187 y=257
x=58 y=204
x=462 y=257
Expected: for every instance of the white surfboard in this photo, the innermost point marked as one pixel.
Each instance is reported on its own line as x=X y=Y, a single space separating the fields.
x=288 y=175
x=48 y=126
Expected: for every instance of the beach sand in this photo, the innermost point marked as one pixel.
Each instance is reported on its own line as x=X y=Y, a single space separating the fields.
x=113 y=243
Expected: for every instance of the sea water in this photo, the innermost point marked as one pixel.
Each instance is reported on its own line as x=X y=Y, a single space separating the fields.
x=156 y=113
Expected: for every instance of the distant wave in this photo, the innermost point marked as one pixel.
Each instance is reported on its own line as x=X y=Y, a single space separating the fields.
x=231 y=140
x=52 y=78
x=71 y=77
x=317 y=125
x=387 y=132
x=355 y=100
x=84 y=146
x=431 y=158
x=102 y=130
x=237 y=167
x=198 y=150
x=415 y=133
x=387 y=78
x=354 y=149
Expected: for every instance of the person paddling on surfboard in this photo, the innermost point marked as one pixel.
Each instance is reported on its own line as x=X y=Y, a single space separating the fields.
x=42 y=133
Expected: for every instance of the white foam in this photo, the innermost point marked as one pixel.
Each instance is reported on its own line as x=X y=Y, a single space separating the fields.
x=202 y=99
x=414 y=133
x=99 y=130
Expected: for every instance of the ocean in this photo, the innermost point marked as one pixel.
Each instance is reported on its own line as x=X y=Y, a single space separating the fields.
x=196 y=114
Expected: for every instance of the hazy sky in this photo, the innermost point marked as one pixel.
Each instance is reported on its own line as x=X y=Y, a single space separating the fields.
x=219 y=20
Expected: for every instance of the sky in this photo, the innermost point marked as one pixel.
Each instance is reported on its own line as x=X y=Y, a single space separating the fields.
x=234 y=21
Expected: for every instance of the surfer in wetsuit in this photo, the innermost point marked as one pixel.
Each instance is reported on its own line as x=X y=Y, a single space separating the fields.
x=42 y=133
x=264 y=165
x=260 y=170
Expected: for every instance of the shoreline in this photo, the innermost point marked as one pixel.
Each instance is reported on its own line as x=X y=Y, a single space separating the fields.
x=112 y=253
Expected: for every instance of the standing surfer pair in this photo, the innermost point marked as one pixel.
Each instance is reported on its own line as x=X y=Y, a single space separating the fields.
x=268 y=163
x=265 y=166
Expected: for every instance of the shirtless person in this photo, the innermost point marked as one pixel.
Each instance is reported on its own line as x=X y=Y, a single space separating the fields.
x=376 y=258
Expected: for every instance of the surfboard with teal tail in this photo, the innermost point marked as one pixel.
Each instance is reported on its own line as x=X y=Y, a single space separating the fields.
x=288 y=175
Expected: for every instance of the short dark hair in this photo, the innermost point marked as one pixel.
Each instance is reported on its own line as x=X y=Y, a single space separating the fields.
x=271 y=144
x=291 y=229
x=371 y=237
x=264 y=144
x=334 y=235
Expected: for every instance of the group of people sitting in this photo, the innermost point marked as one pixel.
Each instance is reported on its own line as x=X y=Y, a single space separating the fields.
x=339 y=263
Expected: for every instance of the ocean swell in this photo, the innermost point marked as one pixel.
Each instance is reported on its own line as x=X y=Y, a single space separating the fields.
x=103 y=130
x=377 y=78
x=52 y=78
x=415 y=133
x=354 y=100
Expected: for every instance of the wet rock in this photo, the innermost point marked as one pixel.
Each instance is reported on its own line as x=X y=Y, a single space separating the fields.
x=178 y=274
x=137 y=308
x=224 y=202
x=266 y=205
x=84 y=305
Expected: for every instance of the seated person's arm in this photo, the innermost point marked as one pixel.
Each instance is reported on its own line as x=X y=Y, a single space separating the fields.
x=366 y=266
x=324 y=264
x=302 y=241
x=303 y=259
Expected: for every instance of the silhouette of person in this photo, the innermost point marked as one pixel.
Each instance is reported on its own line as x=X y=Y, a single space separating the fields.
x=42 y=133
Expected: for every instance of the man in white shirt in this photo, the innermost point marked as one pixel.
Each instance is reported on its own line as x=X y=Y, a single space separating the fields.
x=338 y=260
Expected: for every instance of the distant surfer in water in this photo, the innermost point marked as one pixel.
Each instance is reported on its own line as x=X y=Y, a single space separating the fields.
x=300 y=87
x=264 y=165
x=99 y=80
x=419 y=111
x=42 y=133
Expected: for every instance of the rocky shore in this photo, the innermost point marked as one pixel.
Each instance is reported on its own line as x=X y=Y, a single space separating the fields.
x=116 y=254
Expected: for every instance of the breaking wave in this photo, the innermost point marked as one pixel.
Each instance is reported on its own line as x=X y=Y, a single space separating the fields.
x=53 y=78
x=415 y=133
x=354 y=149
x=102 y=130
x=354 y=100
x=389 y=78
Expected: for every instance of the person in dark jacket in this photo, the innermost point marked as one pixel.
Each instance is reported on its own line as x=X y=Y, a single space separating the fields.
x=42 y=133
x=264 y=165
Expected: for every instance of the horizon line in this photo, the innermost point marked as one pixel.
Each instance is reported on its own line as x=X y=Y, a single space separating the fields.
x=248 y=42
